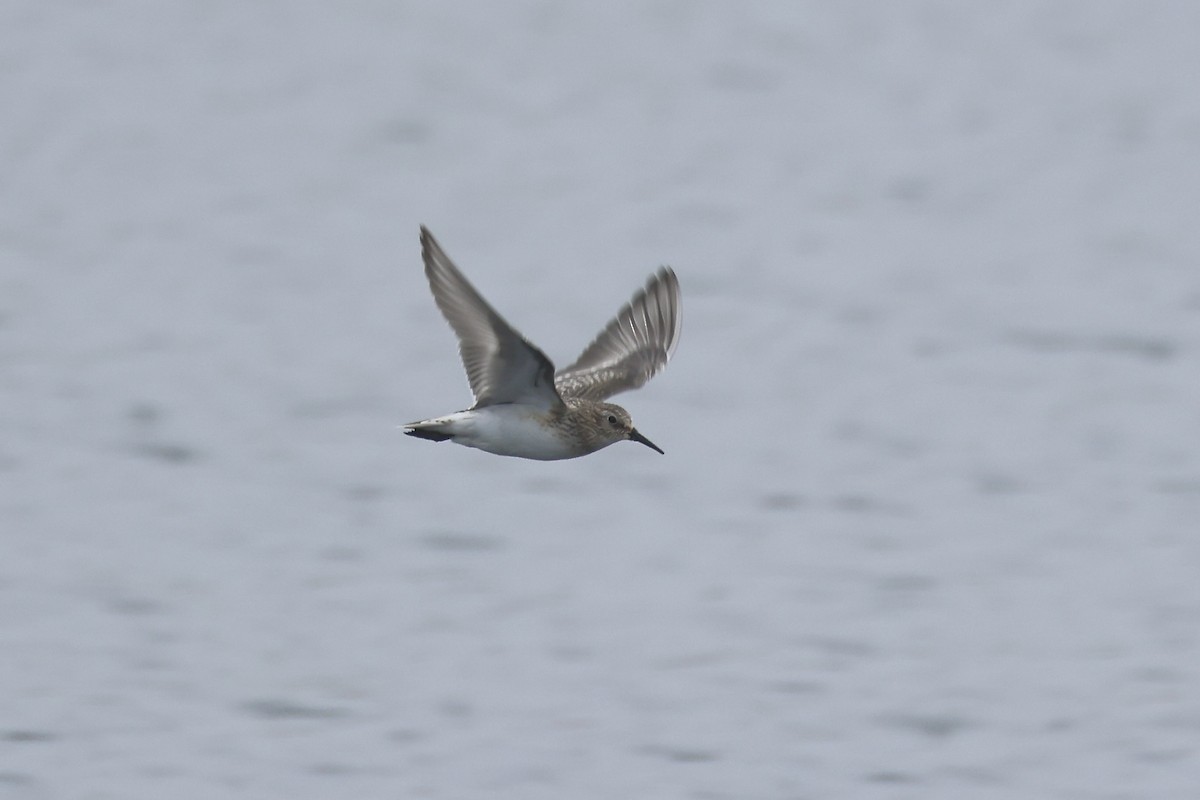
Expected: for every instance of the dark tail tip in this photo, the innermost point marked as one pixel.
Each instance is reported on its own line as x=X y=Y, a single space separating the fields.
x=425 y=433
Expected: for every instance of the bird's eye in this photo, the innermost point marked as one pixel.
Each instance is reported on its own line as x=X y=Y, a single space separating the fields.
x=612 y=420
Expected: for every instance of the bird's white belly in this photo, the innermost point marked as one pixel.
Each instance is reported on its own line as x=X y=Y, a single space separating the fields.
x=511 y=430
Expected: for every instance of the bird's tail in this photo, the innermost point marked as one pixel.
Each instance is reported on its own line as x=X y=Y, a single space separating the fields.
x=432 y=431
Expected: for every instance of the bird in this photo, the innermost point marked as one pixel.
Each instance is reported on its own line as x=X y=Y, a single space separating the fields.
x=523 y=407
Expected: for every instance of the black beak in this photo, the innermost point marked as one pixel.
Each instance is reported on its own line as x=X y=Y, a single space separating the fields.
x=634 y=436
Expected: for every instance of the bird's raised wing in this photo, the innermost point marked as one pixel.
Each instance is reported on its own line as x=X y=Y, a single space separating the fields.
x=502 y=366
x=633 y=347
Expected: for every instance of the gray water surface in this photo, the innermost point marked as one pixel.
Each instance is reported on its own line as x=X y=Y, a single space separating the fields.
x=927 y=522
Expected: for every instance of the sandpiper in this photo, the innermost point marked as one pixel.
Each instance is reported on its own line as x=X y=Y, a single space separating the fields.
x=524 y=408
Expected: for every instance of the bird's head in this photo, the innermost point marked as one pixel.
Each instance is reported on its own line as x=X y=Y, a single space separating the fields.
x=612 y=423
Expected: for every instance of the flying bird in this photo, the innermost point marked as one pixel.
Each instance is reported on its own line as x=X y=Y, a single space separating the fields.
x=523 y=407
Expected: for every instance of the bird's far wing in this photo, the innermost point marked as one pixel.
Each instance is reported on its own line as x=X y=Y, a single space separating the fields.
x=633 y=347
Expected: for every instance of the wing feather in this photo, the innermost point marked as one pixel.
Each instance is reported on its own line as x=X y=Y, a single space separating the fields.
x=635 y=345
x=502 y=366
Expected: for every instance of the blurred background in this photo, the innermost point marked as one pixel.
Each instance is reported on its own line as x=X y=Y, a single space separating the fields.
x=926 y=526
